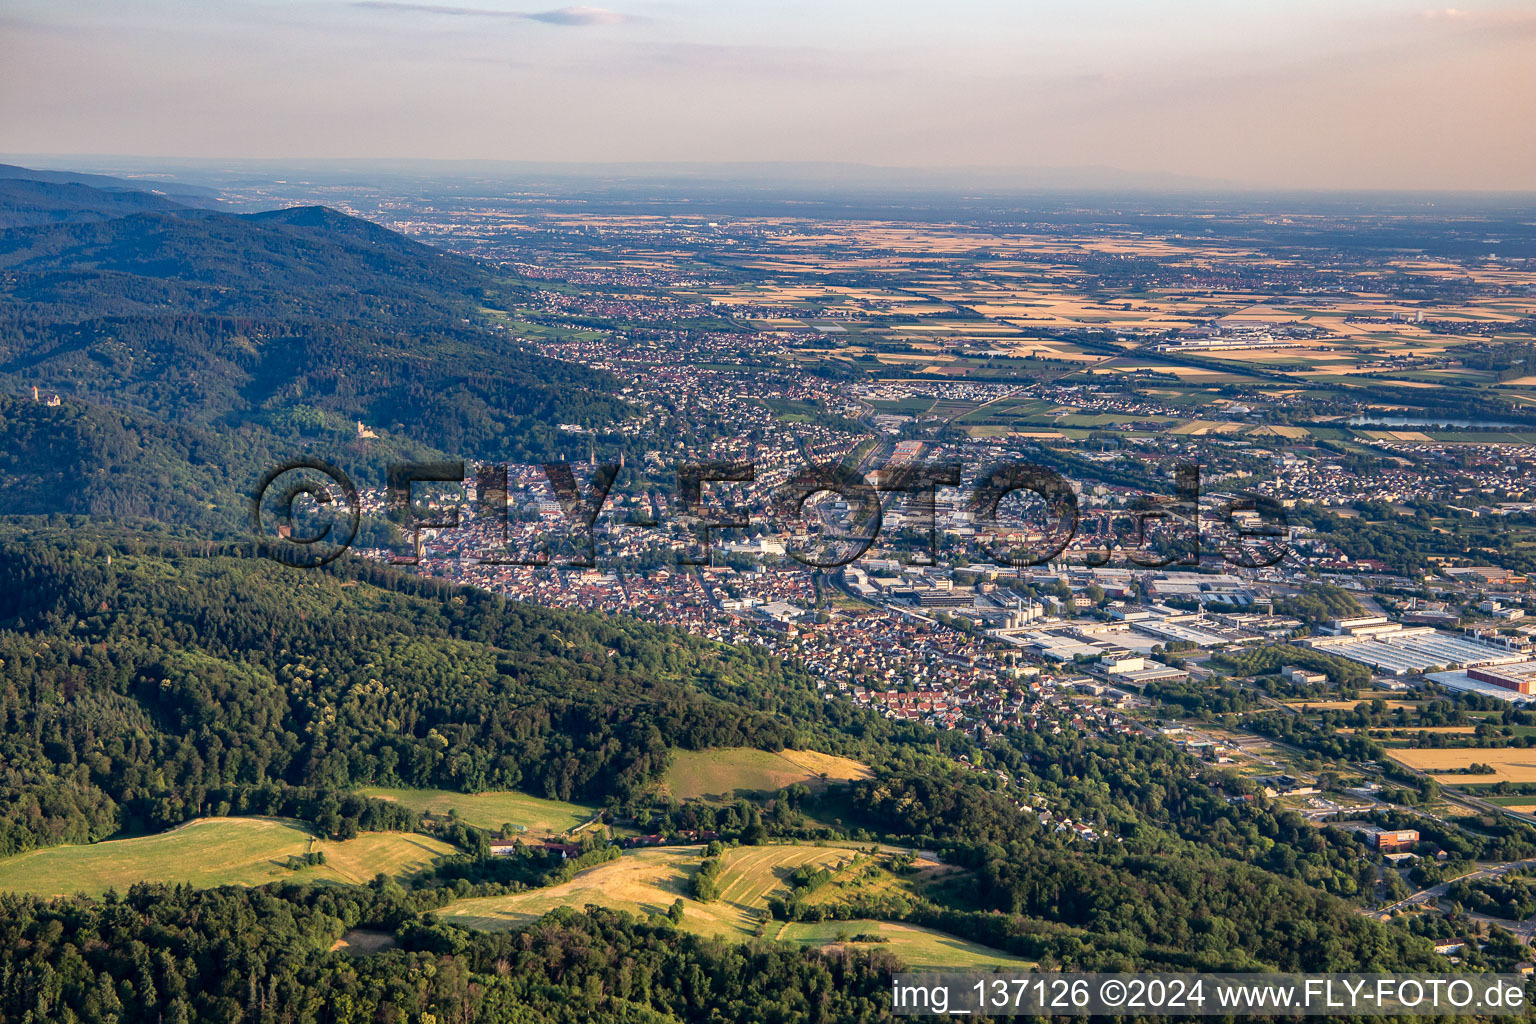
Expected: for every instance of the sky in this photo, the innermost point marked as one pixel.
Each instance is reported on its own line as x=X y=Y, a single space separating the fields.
x=1358 y=94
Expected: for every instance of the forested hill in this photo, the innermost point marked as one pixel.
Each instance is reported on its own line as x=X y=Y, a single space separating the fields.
x=144 y=686
x=27 y=203
x=180 y=192
x=284 y=328
x=306 y=262
x=76 y=459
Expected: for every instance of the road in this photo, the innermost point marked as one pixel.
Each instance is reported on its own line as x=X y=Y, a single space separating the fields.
x=1449 y=793
x=1525 y=930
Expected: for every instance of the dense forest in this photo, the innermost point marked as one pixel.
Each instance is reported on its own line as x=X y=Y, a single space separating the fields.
x=469 y=391
x=216 y=340
x=29 y=203
x=1182 y=878
x=79 y=459
x=153 y=676
x=163 y=956
x=148 y=684
x=145 y=686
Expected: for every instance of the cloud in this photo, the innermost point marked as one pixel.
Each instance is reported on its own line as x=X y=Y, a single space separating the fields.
x=570 y=16
x=742 y=59
x=579 y=16
x=1499 y=25
x=1496 y=19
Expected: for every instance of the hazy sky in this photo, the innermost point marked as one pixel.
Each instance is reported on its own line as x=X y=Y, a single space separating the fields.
x=1350 y=93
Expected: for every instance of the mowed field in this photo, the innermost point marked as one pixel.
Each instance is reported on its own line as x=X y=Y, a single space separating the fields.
x=1510 y=764
x=918 y=948
x=724 y=772
x=217 y=851
x=648 y=881
x=532 y=814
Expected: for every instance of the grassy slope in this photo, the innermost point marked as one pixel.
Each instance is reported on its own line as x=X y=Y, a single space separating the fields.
x=723 y=773
x=918 y=948
x=216 y=851
x=648 y=881
x=536 y=816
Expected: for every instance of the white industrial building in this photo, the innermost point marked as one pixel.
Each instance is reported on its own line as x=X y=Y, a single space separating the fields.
x=1414 y=650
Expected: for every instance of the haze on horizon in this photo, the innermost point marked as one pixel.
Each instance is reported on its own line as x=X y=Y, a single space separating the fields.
x=1376 y=94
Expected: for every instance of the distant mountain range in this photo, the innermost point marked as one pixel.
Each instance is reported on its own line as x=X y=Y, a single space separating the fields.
x=91 y=252
x=27 y=203
x=183 y=337
x=825 y=179
x=192 y=195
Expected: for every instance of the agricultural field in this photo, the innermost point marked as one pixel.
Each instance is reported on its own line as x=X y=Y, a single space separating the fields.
x=972 y=303
x=533 y=815
x=1347 y=705
x=217 y=851
x=918 y=948
x=1510 y=764
x=725 y=773
x=1287 y=432
x=648 y=881
x=397 y=854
